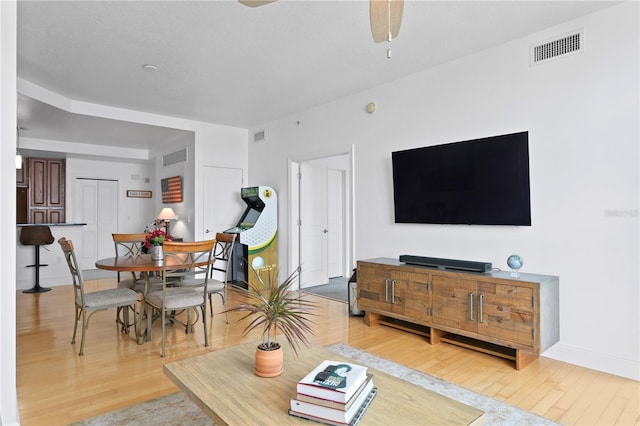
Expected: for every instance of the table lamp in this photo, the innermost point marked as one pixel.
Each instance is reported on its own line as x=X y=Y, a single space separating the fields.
x=167 y=214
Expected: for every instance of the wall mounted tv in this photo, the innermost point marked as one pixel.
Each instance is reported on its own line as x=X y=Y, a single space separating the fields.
x=475 y=182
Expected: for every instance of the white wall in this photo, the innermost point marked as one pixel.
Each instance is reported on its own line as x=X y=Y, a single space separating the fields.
x=183 y=226
x=582 y=115
x=8 y=395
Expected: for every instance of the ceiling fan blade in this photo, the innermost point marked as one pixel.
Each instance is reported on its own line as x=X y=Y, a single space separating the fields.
x=255 y=3
x=379 y=16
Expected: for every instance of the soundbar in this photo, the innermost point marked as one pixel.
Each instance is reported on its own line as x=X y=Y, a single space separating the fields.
x=462 y=265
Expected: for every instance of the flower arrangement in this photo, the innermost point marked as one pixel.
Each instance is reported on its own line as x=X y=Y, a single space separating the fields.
x=156 y=238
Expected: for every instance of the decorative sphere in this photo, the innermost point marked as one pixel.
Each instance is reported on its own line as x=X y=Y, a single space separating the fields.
x=258 y=263
x=515 y=262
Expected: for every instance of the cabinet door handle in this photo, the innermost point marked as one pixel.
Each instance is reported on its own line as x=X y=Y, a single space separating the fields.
x=393 y=291
x=480 y=298
x=386 y=290
x=471 y=306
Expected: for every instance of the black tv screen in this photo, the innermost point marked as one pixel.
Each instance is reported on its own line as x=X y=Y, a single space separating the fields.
x=476 y=182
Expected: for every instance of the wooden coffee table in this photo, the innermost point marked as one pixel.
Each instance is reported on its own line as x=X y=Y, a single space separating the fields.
x=223 y=385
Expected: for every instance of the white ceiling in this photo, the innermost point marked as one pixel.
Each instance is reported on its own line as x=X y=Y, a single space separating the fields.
x=224 y=63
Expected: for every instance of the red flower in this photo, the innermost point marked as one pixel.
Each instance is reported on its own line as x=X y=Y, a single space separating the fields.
x=156 y=238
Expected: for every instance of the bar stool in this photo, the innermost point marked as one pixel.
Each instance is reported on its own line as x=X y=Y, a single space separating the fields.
x=36 y=236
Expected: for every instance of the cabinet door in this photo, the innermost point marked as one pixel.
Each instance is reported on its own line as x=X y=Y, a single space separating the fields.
x=22 y=211
x=55 y=182
x=37 y=183
x=416 y=295
x=454 y=302
x=46 y=190
x=56 y=216
x=373 y=288
x=38 y=216
x=507 y=313
x=396 y=291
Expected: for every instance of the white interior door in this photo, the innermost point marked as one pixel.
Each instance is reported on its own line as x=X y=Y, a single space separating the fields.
x=222 y=204
x=97 y=206
x=313 y=226
x=335 y=222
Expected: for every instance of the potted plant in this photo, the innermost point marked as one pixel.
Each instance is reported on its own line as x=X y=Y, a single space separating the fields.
x=276 y=309
x=153 y=242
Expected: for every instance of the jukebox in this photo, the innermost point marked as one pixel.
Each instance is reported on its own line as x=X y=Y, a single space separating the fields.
x=256 y=242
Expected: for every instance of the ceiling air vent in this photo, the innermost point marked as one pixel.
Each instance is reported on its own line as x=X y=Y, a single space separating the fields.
x=258 y=136
x=174 y=157
x=569 y=44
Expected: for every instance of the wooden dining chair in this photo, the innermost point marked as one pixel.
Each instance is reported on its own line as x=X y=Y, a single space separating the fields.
x=185 y=276
x=220 y=270
x=94 y=301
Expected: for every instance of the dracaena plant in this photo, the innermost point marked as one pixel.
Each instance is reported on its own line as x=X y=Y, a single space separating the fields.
x=274 y=309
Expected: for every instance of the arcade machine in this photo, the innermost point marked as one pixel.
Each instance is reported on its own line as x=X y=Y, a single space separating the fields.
x=256 y=243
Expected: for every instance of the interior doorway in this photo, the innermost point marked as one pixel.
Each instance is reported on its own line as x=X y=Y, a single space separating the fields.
x=321 y=230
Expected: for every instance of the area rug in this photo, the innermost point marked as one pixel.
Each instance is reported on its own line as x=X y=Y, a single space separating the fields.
x=176 y=409
x=336 y=289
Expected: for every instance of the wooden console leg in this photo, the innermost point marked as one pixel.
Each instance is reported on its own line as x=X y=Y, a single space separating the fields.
x=524 y=358
x=436 y=335
x=371 y=319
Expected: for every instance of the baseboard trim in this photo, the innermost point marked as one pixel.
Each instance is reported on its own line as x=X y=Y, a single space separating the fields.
x=606 y=363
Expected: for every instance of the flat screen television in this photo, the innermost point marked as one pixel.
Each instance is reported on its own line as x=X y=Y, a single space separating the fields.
x=476 y=182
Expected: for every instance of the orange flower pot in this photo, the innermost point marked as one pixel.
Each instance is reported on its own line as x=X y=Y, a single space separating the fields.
x=269 y=363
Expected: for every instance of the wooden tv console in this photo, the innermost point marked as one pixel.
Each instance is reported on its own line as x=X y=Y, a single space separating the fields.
x=516 y=318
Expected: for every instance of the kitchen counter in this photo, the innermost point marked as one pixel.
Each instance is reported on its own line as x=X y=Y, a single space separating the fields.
x=24 y=225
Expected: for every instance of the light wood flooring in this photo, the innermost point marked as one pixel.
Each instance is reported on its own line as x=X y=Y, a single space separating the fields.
x=58 y=387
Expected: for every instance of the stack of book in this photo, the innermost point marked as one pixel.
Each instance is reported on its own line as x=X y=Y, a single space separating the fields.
x=335 y=392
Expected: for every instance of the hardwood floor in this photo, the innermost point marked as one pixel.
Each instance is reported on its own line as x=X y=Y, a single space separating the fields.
x=58 y=387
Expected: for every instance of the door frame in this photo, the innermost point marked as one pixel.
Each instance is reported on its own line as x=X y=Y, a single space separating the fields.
x=293 y=202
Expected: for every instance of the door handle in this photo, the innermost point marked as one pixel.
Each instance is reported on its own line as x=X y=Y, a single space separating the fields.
x=206 y=231
x=324 y=231
x=471 y=306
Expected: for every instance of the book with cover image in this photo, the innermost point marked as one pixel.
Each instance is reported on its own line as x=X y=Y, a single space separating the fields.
x=333 y=380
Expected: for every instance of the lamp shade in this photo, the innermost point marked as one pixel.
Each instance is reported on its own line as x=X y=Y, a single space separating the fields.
x=167 y=214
